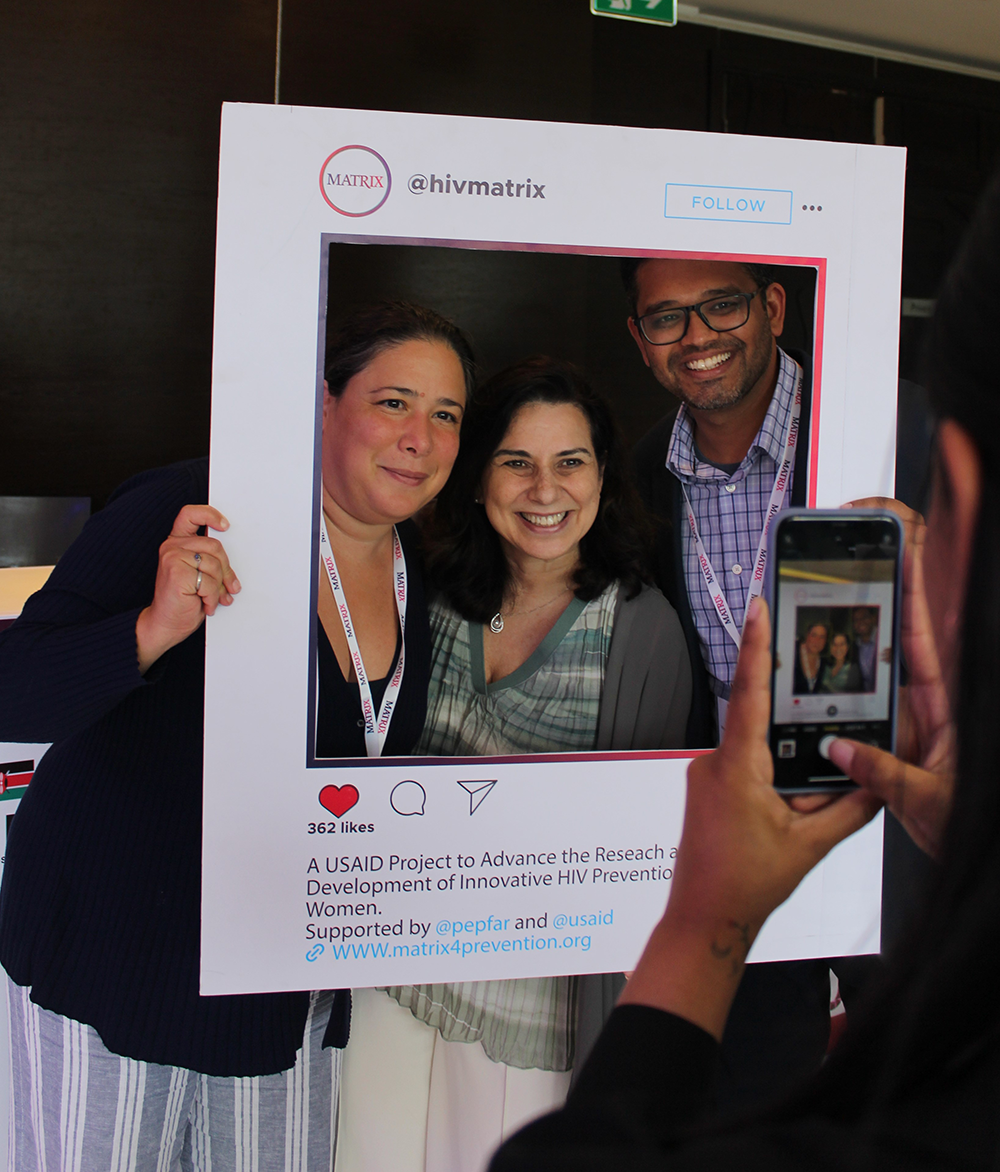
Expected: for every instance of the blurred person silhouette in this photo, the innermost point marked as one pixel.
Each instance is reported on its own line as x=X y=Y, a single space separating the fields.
x=913 y=1082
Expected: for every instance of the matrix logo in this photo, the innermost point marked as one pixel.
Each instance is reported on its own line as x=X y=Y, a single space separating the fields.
x=355 y=180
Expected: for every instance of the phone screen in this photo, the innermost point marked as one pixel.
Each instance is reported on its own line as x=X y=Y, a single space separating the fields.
x=835 y=591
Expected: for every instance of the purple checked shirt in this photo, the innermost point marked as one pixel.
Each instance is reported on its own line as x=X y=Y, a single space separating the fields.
x=730 y=509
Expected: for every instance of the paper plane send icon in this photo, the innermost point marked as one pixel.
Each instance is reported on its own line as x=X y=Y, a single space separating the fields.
x=478 y=791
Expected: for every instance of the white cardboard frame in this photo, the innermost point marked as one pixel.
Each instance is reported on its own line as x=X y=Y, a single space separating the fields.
x=605 y=190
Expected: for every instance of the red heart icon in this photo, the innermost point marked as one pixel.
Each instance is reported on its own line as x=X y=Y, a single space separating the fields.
x=338 y=799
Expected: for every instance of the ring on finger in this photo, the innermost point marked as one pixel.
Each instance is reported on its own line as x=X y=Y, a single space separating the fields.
x=197 y=582
x=197 y=558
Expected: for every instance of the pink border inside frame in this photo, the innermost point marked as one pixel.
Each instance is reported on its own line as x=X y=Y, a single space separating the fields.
x=817 y=262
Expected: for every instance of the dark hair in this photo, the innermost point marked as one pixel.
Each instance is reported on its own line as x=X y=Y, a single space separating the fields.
x=465 y=559
x=368 y=332
x=762 y=276
x=937 y=1009
x=958 y=951
x=851 y=656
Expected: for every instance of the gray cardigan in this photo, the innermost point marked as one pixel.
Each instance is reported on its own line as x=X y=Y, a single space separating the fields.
x=647 y=681
x=644 y=705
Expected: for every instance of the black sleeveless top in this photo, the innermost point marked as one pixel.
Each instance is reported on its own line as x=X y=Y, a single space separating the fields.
x=340 y=729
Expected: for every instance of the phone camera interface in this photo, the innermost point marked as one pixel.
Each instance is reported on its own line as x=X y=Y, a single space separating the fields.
x=834 y=659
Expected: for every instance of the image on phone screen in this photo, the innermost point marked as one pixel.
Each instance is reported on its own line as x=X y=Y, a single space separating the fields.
x=836 y=584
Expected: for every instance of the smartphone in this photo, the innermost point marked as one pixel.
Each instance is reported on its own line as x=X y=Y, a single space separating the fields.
x=836 y=583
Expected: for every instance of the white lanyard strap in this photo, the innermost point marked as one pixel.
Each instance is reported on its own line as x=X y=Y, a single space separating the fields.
x=781 y=479
x=376 y=728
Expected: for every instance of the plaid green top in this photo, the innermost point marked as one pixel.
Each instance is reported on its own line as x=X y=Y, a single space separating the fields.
x=549 y=704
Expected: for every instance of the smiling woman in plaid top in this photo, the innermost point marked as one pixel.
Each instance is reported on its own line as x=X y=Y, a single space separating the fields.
x=546 y=638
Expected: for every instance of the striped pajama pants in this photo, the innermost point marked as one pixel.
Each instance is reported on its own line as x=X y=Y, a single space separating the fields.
x=76 y=1107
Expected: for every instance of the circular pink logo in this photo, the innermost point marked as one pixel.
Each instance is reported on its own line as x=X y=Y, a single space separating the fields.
x=355 y=180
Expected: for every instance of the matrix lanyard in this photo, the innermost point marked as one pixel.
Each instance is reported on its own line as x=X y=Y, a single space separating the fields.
x=712 y=583
x=376 y=728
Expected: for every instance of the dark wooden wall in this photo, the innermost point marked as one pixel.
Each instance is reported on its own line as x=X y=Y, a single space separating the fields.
x=109 y=123
x=109 y=119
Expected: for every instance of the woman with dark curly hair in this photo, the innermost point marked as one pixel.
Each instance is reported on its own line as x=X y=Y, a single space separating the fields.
x=537 y=550
x=546 y=638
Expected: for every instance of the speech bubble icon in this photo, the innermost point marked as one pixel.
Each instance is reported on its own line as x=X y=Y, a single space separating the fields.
x=408 y=798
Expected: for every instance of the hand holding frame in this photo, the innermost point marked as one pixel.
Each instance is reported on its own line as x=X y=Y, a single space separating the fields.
x=193 y=578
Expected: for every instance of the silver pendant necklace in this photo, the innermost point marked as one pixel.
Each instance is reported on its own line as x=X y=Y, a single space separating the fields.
x=496 y=623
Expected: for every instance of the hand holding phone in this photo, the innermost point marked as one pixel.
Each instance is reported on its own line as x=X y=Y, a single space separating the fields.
x=917 y=783
x=742 y=852
x=835 y=599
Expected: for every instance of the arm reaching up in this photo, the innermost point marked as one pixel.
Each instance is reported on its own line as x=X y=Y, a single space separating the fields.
x=743 y=851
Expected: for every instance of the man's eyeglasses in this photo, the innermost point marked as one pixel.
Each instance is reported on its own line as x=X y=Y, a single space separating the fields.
x=726 y=311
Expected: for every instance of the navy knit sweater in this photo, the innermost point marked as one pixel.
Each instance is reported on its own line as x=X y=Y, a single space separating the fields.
x=100 y=905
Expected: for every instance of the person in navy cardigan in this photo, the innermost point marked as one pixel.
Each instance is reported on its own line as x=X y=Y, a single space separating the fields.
x=114 y=1051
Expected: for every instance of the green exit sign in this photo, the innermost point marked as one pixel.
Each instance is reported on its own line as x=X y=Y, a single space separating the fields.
x=650 y=11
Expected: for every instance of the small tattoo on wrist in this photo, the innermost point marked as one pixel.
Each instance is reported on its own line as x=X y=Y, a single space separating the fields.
x=738 y=951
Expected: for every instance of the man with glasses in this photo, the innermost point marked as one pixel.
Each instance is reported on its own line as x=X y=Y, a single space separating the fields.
x=711 y=472
x=712 y=469
x=864 y=622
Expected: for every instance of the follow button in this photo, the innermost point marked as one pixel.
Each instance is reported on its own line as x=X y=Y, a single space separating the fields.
x=744 y=205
